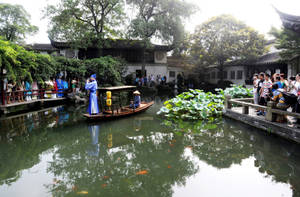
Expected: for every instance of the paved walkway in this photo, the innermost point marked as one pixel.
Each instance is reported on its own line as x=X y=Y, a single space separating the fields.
x=15 y=104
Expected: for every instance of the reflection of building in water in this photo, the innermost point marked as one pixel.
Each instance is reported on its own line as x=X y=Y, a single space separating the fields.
x=94 y=131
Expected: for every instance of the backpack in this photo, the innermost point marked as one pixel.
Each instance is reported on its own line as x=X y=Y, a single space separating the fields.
x=289 y=98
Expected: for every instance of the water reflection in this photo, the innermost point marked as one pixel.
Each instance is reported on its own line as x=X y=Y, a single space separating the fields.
x=115 y=171
x=142 y=143
x=94 y=132
x=24 y=124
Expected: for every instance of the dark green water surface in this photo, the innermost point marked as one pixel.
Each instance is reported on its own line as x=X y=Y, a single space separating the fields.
x=55 y=152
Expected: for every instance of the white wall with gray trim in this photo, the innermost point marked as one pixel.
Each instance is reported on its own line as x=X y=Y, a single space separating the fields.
x=229 y=69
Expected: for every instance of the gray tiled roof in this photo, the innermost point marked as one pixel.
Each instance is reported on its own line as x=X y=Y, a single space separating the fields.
x=269 y=58
x=119 y=44
x=290 y=21
x=42 y=47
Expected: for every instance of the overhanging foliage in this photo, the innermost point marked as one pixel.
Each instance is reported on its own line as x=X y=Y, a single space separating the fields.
x=21 y=64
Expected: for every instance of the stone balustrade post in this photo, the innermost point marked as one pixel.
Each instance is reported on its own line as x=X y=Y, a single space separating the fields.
x=245 y=110
x=227 y=102
x=270 y=116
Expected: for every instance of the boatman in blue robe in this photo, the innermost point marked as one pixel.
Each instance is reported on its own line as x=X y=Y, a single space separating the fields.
x=91 y=85
x=137 y=100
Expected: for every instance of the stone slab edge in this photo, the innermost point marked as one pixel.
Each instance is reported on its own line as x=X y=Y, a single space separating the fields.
x=278 y=129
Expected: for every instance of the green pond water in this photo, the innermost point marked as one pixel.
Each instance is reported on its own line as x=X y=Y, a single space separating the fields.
x=55 y=152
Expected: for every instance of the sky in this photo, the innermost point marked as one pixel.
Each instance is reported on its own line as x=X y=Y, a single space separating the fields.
x=258 y=14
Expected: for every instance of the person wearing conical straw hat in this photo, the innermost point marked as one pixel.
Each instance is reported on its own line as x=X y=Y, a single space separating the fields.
x=137 y=100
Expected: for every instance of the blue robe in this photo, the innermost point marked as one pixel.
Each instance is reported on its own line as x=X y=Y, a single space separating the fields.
x=137 y=102
x=60 y=87
x=65 y=85
x=27 y=87
x=93 y=104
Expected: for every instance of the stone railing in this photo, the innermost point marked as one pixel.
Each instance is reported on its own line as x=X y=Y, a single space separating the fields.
x=271 y=111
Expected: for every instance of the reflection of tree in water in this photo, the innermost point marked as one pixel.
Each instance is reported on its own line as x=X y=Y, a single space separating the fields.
x=22 y=153
x=280 y=160
x=225 y=143
x=215 y=143
x=22 y=125
x=114 y=171
x=24 y=138
x=152 y=147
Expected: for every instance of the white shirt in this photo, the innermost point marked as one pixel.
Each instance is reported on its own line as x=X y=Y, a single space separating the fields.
x=255 y=85
x=296 y=88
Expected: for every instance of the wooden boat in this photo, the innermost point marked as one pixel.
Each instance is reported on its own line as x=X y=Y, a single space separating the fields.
x=120 y=111
x=123 y=112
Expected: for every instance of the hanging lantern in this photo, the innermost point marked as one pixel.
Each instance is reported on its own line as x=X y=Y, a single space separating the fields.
x=108 y=102
x=108 y=94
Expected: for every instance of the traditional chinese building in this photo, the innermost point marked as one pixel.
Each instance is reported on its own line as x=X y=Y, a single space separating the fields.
x=292 y=23
x=241 y=71
x=156 y=61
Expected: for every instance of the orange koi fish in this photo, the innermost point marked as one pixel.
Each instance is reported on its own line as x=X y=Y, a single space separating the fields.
x=142 y=172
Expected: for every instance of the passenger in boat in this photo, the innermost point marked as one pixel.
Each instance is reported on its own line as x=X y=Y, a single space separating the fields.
x=91 y=85
x=137 y=100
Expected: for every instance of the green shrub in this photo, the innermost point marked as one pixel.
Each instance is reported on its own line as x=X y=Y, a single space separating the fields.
x=22 y=64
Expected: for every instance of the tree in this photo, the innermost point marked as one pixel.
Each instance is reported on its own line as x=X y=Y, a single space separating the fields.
x=85 y=22
x=288 y=41
x=16 y=61
x=224 y=38
x=14 y=23
x=182 y=48
x=162 y=19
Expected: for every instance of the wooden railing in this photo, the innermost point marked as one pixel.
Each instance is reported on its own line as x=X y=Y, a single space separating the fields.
x=270 y=109
x=20 y=95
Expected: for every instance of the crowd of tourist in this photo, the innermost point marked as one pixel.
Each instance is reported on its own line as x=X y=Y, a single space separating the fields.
x=21 y=91
x=278 y=89
x=151 y=80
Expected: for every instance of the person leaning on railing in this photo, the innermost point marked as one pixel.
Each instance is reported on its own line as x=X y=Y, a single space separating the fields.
x=279 y=98
x=293 y=89
x=298 y=95
x=280 y=102
x=20 y=89
x=9 y=91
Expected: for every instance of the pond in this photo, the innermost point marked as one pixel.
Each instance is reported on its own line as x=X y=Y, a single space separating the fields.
x=55 y=152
